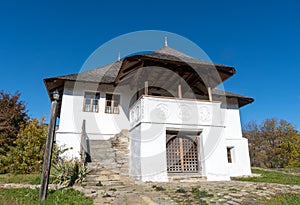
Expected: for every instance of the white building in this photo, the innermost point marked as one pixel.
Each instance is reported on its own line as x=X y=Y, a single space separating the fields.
x=167 y=104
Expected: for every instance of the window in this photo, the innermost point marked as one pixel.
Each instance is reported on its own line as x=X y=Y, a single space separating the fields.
x=112 y=104
x=91 y=102
x=229 y=154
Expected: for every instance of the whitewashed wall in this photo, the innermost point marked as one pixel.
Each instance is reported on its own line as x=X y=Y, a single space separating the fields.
x=233 y=138
x=151 y=117
x=240 y=165
x=99 y=125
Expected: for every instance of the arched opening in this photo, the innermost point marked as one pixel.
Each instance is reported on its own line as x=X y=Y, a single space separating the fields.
x=182 y=154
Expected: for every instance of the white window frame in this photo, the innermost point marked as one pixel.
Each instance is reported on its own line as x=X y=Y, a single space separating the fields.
x=91 y=107
x=112 y=109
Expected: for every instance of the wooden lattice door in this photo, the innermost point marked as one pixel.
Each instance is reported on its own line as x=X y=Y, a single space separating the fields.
x=182 y=155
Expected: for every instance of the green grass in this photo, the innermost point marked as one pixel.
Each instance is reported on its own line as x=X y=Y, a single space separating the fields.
x=287 y=199
x=25 y=196
x=270 y=176
x=21 y=178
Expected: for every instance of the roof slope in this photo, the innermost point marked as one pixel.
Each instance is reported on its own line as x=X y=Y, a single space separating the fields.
x=103 y=74
x=171 y=54
x=109 y=73
x=242 y=100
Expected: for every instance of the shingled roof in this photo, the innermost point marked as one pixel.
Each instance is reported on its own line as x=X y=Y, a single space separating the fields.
x=103 y=74
x=242 y=100
x=170 y=54
x=110 y=73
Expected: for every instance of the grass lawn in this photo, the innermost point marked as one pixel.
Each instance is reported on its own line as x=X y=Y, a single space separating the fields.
x=288 y=199
x=21 y=178
x=270 y=176
x=24 y=196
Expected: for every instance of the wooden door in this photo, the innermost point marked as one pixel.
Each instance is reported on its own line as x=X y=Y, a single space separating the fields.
x=182 y=155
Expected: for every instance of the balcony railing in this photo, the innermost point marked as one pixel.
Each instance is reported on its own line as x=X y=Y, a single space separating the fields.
x=154 y=109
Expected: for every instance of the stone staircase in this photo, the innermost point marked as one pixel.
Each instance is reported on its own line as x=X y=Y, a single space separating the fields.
x=108 y=181
x=111 y=154
x=106 y=186
x=109 y=168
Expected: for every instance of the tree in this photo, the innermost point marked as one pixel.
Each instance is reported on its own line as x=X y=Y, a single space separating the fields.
x=13 y=114
x=275 y=143
x=258 y=156
x=26 y=156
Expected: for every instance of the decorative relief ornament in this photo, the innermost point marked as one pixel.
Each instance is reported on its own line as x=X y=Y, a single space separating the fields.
x=184 y=112
x=205 y=114
x=162 y=111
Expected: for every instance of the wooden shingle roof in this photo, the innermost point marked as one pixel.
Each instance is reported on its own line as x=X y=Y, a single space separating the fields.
x=242 y=100
x=115 y=72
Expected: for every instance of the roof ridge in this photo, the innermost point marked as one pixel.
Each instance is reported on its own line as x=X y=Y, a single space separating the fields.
x=171 y=51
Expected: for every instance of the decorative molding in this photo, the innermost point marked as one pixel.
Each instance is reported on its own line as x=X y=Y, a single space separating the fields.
x=205 y=114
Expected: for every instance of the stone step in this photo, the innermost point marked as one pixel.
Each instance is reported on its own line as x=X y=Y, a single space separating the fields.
x=112 y=166
x=96 y=178
x=101 y=162
x=102 y=149
x=102 y=156
x=100 y=143
x=112 y=183
x=187 y=179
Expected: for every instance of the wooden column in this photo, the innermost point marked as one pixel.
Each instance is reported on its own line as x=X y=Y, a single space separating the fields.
x=48 y=152
x=146 y=88
x=181 y=154
x=83 y=144
x=179 y=91
x=209 y=93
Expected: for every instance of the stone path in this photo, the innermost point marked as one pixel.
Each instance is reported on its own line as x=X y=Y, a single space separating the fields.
x=107 y=186
x=131 y=192
x=232 y=192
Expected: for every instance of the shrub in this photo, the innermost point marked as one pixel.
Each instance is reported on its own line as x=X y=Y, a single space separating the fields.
x=27 y=154
x=64 y=173
x=67 y=171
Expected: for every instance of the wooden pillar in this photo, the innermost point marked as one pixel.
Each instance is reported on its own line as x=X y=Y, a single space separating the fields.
x=146 y=88
x=83 y=144
x=209 y=93
x=179 y=91
x=181 y=154
x=48 y=153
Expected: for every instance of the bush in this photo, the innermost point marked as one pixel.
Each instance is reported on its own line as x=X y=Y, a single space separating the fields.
x=27 y=154
x=66 y=171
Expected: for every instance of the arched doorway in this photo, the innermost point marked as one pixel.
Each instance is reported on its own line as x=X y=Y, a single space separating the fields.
x=182 y=154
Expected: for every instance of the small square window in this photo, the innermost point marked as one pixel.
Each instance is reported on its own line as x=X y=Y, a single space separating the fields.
x=229 y=154
x=91 y=102
x=112 y=104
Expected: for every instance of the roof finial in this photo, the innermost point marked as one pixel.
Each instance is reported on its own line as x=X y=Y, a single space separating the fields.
x=166 y=41
x=119 y=56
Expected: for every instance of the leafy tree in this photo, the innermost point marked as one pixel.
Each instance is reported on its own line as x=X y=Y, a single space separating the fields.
x=275 y=143
x=26 y=156
x=13 y=114
x=258 y=155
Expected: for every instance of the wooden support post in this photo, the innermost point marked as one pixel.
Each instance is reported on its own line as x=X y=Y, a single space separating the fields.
x=181 y=154
x=179 y=91
x=83 y=144
x=209 y=93
x=48 y=153
x=146 y=88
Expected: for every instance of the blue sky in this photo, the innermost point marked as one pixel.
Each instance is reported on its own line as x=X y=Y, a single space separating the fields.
x=261 y=39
